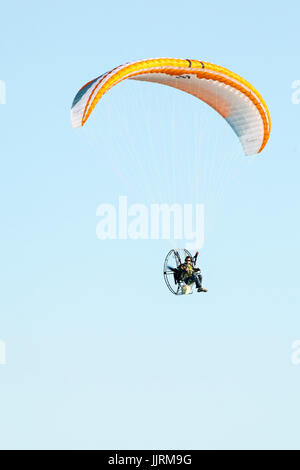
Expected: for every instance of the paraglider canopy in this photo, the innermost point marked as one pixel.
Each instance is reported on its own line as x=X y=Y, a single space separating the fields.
x=235 y=99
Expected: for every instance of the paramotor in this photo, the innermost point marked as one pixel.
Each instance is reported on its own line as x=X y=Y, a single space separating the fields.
x=171 y=274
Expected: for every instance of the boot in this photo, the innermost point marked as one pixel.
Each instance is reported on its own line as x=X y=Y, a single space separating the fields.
x=201 y=289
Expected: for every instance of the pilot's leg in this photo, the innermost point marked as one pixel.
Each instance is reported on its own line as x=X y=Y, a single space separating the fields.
x=197 y=279
x=199 y=283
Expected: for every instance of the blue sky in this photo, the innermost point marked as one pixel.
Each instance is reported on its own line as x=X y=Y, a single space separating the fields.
x=98 y=353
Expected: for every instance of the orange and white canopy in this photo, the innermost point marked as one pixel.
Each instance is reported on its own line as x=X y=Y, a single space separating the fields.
x=229 y=94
